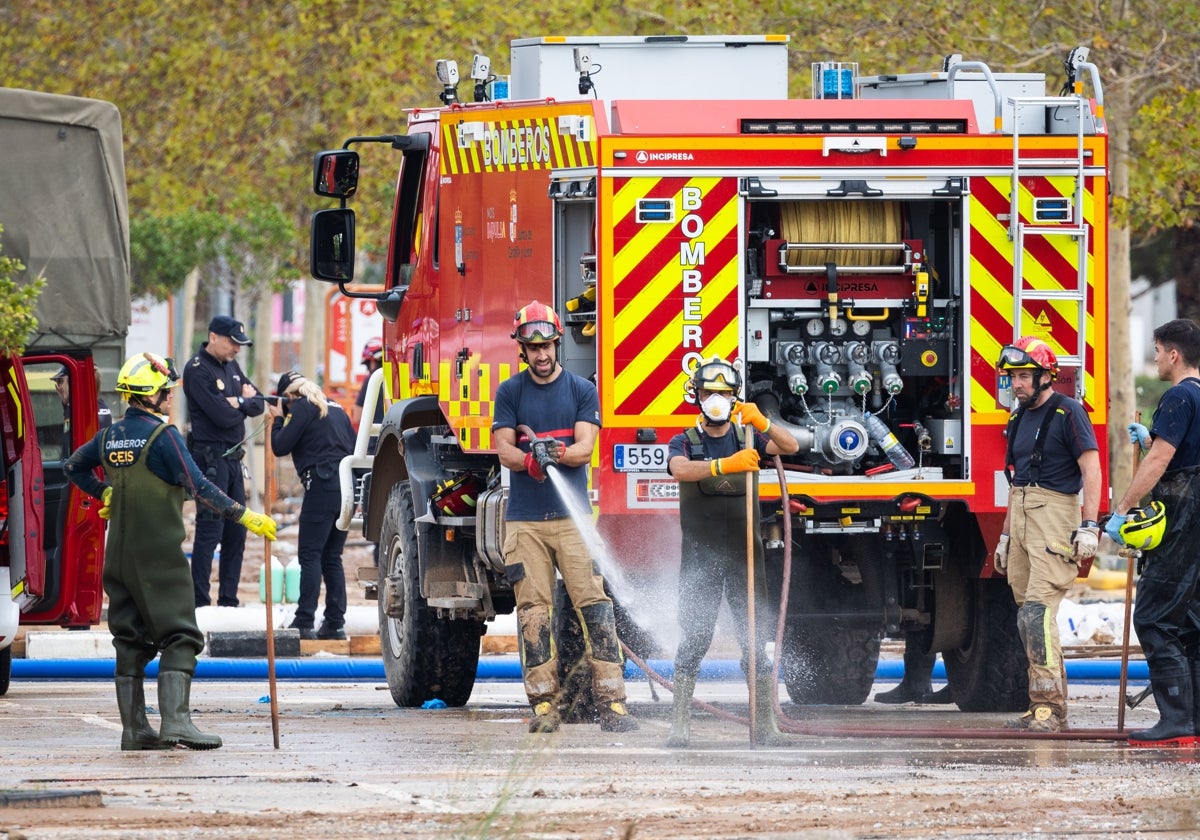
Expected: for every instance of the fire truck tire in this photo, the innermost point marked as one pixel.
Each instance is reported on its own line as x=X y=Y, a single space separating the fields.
x=5 y=669
x=990 y=673
x=424 y=658
x=576 y=704
x=829 y=664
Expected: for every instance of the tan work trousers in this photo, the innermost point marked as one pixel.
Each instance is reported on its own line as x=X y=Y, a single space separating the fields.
x=532 y=552
x=1041 y=568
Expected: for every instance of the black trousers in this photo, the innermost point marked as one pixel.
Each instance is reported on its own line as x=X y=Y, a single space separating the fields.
x=320 y=554
x=212 y=530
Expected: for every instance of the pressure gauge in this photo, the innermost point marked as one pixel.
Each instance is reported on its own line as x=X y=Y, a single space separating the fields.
x=837 y=327
x=860 y=328
x=815 y=327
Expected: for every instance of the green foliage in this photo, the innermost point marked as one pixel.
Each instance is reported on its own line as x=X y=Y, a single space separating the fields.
x=17 y=303
x=1149 y=390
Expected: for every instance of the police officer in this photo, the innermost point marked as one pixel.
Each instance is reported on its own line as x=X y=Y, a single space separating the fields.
x=1167 y=612
x=316 y=432
x=219 y=399
x=147 y=474
x=711 y=463
x=1052 y=455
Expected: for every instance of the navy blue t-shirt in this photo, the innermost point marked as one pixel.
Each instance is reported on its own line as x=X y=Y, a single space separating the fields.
x=1175 y=422
x=1067 y=438
x=551 y=411
x=711 y=448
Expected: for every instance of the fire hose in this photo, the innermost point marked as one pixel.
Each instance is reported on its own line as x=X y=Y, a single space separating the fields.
x=796 y=727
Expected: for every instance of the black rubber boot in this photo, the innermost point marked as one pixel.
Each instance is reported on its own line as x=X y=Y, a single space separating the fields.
x=175 y=706
x=136 y=732
x=766 y=727
x=915 y=686
x=1175 y=727
x=681 y=711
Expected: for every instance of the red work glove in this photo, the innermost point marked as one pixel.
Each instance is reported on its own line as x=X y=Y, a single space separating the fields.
x=533 y=468
x=749 y=414
x=744 y=460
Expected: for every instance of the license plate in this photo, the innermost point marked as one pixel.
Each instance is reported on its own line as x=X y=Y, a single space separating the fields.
x=639 y=457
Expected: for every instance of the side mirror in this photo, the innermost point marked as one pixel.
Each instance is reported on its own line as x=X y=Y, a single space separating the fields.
x=388 y=305
x=335 y=173
x=331 y=245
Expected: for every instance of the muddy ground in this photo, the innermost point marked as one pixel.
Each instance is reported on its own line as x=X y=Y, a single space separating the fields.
x=352 y=765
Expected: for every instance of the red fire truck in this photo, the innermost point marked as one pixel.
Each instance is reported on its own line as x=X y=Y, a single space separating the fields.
x=865 y=253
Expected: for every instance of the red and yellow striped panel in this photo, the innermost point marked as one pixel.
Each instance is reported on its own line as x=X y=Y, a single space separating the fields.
x=410 y=383
x=1048 y=263
x=468 y=401
x=525 y=139
x=674 y=293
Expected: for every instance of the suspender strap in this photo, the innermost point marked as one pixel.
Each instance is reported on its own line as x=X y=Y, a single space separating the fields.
x=1039 y=441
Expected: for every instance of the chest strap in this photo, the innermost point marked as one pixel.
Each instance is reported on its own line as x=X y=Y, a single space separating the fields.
x=1039 y=440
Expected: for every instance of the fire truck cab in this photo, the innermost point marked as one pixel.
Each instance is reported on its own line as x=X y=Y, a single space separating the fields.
x=864 y=254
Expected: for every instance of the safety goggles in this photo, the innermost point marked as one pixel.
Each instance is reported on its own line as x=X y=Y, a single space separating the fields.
x=537 y=332
x=717 y=377
x=1015 y=357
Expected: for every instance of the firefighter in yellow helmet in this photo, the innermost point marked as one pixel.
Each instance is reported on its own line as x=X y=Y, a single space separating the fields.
x=1166 y=614
x=1051 y=456
x=547 y=419
x=715 y=470
x=151 y=609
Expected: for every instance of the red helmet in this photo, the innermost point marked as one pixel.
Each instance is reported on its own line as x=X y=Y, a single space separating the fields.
x=1029 y=353
x=536 y=323
x=372 y=351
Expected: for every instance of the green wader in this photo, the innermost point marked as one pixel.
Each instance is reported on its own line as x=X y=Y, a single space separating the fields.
x=151 y=606
x=712 y=514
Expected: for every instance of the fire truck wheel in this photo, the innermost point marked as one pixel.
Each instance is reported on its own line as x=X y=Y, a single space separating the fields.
x=405 y=640
x=990 y=673
x=5 y=669
x=576 y=704
x=828 y=664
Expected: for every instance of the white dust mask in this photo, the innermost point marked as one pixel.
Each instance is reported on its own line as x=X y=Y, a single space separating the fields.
x=716 y=408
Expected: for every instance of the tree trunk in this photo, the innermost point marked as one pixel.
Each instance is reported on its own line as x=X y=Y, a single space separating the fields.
x=1121 y=396
x=1185 y=269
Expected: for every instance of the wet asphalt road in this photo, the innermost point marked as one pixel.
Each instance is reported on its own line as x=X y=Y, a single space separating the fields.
x=351 y=764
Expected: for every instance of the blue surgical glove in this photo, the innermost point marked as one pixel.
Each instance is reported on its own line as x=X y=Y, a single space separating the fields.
x=1113 y=527
x=1139 y=434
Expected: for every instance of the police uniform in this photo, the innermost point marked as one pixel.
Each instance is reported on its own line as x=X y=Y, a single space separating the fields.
x=146 y=578
x=216 y=445
x=317 y=445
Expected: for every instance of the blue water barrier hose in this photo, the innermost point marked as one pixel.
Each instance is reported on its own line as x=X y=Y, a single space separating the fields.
x=491 y=668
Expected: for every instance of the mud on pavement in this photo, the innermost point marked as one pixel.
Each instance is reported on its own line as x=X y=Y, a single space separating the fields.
x=351 y=764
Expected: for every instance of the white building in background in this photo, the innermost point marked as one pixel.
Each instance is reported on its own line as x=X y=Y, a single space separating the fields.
x=1152 y=305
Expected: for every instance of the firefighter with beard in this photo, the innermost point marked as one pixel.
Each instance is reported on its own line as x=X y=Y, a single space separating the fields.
x=562 y=411
x=715 y=470
x=1052 y=455
x=151 y=608
x=1166 y=614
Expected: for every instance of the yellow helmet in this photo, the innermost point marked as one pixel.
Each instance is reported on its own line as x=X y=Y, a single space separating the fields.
x=146 y=374
x=1144 y=528
x=714 y=374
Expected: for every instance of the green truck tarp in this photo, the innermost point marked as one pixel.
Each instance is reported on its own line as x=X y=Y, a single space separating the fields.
x=65 y=216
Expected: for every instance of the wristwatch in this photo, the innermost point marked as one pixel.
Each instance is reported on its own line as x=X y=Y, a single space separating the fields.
x=1089 y=523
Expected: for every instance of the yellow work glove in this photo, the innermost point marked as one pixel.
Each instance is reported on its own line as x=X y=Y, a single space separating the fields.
x=749 y=415
x=105 y=503
x=259 y=523
x=744 y=460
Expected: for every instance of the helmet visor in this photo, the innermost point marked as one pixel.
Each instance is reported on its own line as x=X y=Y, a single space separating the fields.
x=716 y=377
x=536 y=332
x=1015 y=357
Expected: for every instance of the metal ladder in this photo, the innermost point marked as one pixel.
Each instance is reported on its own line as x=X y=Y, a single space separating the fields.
x=1076 y=229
